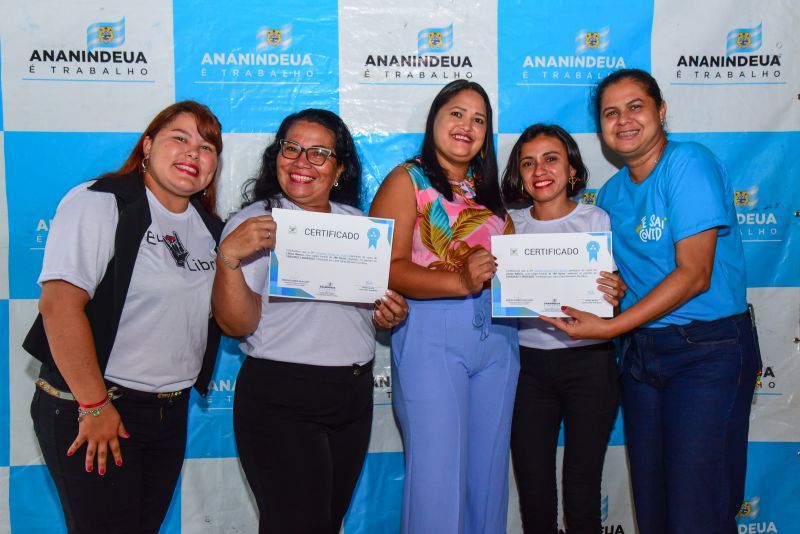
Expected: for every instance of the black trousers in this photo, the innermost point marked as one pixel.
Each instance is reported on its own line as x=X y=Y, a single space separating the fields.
x=133 y=498
x=579 y=386
x=302 y=432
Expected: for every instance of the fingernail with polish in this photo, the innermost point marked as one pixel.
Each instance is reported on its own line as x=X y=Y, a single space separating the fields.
x=119 y=463
x=126 y=435
x=563 y=308
x=101 y=472
x=88 y=468
x=70 y=453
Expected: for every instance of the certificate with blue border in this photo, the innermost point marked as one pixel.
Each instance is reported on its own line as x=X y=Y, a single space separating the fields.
x=539 y=273
x=326 y=256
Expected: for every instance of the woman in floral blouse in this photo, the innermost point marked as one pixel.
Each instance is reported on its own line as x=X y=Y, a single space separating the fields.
x=454 y=368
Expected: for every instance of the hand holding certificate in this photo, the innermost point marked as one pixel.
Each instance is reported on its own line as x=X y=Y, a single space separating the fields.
x=537 y=274
x=327 y=256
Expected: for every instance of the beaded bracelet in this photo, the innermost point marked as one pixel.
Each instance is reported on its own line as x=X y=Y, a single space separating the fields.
x=96 y=404
x=94 y=412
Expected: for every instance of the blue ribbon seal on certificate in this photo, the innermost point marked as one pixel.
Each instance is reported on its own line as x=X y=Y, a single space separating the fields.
x=593 y=247
x=373 y=234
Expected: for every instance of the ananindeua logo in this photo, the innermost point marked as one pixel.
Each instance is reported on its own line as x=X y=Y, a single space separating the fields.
x=434 y=61
x=589 y=63
x=105 y=34
x=740 y=64
x=105 y=58
x=273 y=59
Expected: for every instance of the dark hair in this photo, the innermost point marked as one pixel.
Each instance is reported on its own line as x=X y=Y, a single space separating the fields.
x=643 y=78
x=512 y=180
x=483 y=165
x=265 y=185
x=208 y=127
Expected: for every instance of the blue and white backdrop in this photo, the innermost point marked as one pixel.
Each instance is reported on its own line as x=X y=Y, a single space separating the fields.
x=80 y=79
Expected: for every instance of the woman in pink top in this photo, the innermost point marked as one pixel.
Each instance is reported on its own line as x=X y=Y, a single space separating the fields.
x=454 y=368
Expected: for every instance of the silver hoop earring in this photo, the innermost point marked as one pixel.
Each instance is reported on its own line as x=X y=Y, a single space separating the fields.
x=145 y=161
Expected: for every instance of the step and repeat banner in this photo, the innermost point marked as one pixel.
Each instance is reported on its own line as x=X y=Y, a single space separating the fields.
x=81 y=79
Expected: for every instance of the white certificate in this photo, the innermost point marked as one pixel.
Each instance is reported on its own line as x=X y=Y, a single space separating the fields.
x=327 y=256
x=539 y=273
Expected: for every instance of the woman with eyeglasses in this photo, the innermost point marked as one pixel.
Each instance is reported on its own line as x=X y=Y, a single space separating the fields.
x=303 y=405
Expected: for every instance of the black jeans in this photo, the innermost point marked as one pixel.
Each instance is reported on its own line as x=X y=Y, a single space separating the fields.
x=302 y=432
x=579 y=386
x=133 y=498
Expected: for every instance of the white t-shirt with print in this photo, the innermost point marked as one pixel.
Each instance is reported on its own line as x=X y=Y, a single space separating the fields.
x=162 y=333
x=300 y=331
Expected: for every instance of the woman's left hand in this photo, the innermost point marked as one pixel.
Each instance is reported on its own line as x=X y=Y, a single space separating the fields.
x=582 y=325
x=613 y=286
x=390 y=310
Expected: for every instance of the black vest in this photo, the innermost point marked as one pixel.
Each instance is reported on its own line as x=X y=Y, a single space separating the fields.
x=104 y=310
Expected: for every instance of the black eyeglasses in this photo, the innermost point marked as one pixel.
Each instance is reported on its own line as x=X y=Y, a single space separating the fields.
x=316 y=155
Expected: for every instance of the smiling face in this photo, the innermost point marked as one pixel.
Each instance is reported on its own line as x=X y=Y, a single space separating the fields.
x=631 y=121
x=309 y=186
x=180 y=162
x=459 y=131
x=545 y=169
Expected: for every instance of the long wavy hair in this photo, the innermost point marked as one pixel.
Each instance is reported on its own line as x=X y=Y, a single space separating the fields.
x=483 y=165
x=511 y=187
x=265 y=187
x=208 y=127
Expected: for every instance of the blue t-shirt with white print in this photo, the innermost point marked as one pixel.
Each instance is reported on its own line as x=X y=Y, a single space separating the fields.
x=686 y=193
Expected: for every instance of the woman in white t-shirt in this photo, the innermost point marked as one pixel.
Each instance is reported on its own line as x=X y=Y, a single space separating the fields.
x=124 y=330
x=303 y=406
x=560 y=379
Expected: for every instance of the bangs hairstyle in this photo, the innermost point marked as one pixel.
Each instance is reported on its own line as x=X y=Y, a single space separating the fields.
x=483 y=165
x=512 y=178
x=643 y=78
x=208 y=127
x=265 y=185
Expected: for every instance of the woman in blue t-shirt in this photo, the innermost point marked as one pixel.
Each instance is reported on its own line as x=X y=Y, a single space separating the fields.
x=689 y=358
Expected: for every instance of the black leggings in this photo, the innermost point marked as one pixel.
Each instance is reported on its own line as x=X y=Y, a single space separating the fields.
x=302 y=432
x=580 y=387
x=134 y=498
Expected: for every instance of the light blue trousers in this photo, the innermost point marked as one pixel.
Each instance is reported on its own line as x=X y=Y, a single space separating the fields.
x=453 y=384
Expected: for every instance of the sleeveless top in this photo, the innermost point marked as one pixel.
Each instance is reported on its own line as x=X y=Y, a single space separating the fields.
x=447 y=232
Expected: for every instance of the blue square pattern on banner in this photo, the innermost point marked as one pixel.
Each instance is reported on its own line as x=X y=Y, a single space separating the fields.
x=771 y=489
x=5 y=403
x=210 y=432
x=762 y=167
x=257 y=64
x=379 y=155
x=33 y=501
x=40 y=169
x=375 y=508
x=551 y=54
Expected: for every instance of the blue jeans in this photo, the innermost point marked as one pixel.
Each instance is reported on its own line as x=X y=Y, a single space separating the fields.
x=687 y=392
